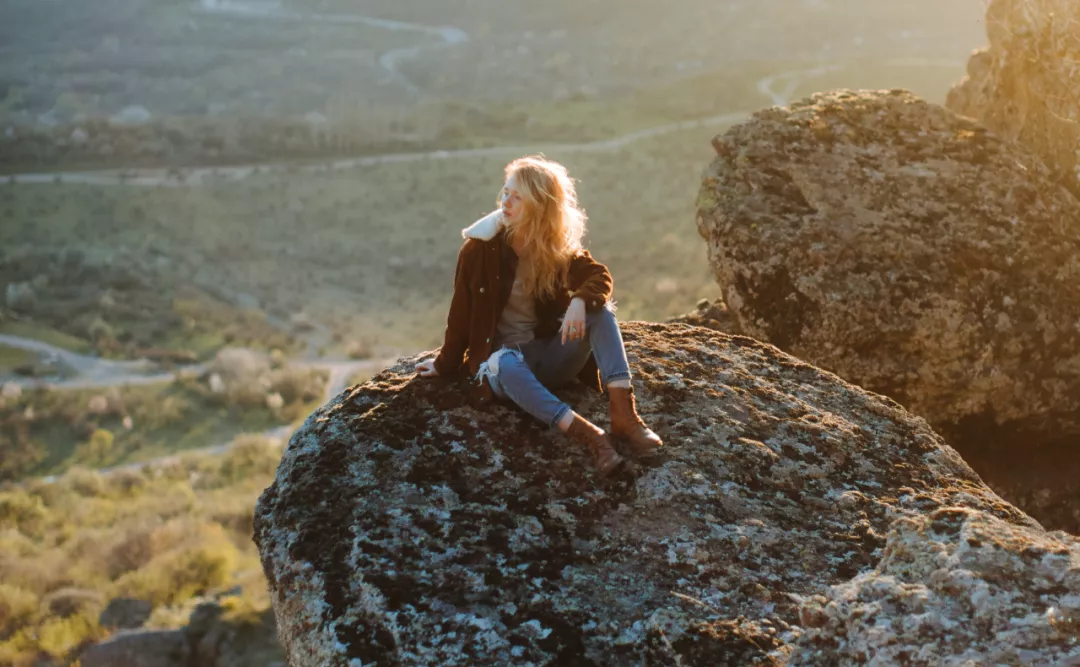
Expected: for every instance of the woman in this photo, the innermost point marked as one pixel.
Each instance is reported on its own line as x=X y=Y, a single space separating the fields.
x=532 y=310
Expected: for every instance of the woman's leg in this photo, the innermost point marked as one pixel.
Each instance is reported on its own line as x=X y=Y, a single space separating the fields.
x=511 y=377
x=557 y=364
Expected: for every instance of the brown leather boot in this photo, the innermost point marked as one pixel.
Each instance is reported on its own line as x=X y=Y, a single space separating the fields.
x=627 y=426
x=604 y=456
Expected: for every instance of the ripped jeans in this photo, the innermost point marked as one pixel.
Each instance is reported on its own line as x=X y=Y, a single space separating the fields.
x=527 y=373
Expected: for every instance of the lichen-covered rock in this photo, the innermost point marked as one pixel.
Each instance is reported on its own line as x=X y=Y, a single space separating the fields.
x=1026 y=84
x=908 y=250
x=955 y=587
x=405 y=528
x=711 y=315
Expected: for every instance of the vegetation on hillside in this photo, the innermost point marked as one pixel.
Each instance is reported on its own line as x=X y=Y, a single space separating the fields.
x=169 y=534
x=46 y=431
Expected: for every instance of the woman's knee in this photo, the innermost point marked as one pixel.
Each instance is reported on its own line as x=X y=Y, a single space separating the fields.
x=605 y=314
x=510 y=364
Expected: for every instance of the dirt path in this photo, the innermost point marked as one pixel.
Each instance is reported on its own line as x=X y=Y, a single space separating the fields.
x=95 y=372
x=777 y=88
x=388 y=61
x=193 y=176
x=88 y=372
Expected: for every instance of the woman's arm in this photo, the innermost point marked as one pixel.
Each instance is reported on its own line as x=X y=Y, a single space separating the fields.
x=590 y=281
x=452 y=355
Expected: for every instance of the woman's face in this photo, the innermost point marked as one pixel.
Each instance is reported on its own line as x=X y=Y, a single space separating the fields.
x=510 y=200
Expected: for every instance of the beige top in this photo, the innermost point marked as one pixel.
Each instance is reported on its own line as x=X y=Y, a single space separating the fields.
x=518 y=317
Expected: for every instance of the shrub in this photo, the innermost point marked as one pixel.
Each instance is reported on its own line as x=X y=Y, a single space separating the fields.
x=249 y=455
x=127 y=481
x=60 y=636
x=18 y=453
x=298 y=384
x=157 y=412
x=84 y=482
x=98 y=448
x=17 y=608
x=69 y=601
x=245 y=396
x=129 y=552
x=50 y=494
x=193 y=569
x=22 y=512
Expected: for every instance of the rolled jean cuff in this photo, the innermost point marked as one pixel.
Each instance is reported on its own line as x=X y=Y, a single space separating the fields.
x=621 y=375
x=559 y=415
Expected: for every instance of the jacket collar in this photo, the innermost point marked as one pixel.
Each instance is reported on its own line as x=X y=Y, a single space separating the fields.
x=484 y=229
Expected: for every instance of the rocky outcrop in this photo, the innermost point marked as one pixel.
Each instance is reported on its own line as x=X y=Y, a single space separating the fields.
x=210 y=639
x=139 y=648
x=954 y=587
x=906 y=249
x=1026 y=84
x=125 y=613
x=711 y=315
x=406 y=528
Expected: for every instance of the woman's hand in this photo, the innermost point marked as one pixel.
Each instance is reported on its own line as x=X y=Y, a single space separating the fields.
x=573 y=324
x=426 y=369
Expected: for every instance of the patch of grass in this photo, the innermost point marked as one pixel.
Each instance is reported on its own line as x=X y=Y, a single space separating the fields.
x=209 y=324
x=13 y=357
x=46 y=334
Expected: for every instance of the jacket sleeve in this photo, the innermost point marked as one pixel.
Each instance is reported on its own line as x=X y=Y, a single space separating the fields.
x=456 y=342
x=590 y=281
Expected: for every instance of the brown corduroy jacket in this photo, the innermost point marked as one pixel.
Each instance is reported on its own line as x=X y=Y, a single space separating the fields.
x=482 y=283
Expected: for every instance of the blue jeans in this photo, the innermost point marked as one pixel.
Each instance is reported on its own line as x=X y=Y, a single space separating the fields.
x=527 y=373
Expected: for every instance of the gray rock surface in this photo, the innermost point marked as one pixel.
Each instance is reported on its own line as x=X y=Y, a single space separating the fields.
x=906 y=249
x=713 y=315
x=125 y=613
x=138 y=648
x=1026 y=84
x=955 y=587
x=406 y=528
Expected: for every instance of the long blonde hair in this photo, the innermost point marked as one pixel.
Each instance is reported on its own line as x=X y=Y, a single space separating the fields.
x=552 y=224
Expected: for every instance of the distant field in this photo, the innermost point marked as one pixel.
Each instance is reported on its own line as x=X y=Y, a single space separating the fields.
x=12 y=358
x=350 y=61
x=45 y=335
x=370 y=251
x=929 y=79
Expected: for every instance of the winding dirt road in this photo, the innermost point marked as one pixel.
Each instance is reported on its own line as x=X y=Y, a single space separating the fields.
x=95 y=372
x=388 y=61
x=91 y=372
x=768 y=86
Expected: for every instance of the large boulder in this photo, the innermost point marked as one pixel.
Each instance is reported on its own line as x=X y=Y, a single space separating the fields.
x=908 y=250
x=955 y=587
x=1026 y=84
x=405 y=528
